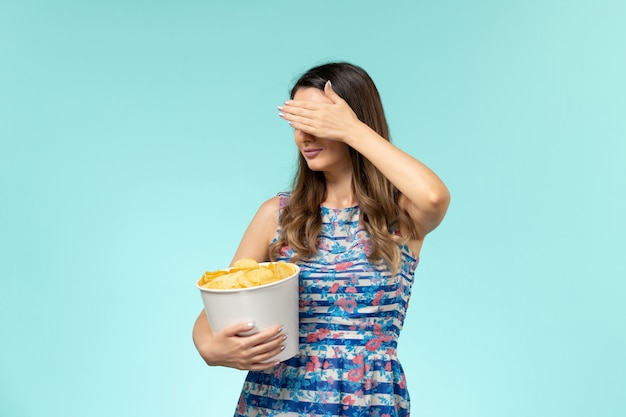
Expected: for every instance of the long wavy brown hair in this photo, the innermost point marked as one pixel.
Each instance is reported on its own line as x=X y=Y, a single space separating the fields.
x=377 y=197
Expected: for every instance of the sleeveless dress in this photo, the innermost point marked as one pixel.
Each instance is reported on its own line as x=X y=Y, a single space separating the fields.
x=351 y=314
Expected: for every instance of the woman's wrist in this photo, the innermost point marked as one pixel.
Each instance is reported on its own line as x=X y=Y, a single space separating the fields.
x=358 y=134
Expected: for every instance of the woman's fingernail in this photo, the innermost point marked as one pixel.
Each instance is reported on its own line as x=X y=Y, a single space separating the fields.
x=281 y=114
x=250 y=324
x=279 y=107
x=287 y=102
x=328 y=83
x=284 y=337
x=282 y=347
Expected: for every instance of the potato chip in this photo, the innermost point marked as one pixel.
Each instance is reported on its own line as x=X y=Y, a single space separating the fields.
x=259 y=276
x=224 y=282
x=282 y=269
x=210 y=276
x=246 y=263
x=246 y=273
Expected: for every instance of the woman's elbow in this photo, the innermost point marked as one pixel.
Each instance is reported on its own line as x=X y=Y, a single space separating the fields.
x=439 y=199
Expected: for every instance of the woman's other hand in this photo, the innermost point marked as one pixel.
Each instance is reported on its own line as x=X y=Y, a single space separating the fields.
x=231 y=349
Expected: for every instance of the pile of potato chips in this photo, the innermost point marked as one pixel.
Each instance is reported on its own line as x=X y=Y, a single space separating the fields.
x=246 y=273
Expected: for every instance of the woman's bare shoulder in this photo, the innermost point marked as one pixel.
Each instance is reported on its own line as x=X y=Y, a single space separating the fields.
x=270 y=208
x=260 y=232
x=266 y=217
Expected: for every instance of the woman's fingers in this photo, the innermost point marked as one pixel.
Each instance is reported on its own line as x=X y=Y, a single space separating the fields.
x=264 y=336
x=244 y=347
x=263 y=360
x=298 y=114
x=260 y=356
x=261 y=350
x=264 y=364
x=307 y=118
x=301 y=105
x=330 y=120
x=313 y=105
x=249 y=329
x=238 y=328
x=266 y=345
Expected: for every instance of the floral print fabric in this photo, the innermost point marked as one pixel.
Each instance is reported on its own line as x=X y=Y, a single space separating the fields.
x=351 y=314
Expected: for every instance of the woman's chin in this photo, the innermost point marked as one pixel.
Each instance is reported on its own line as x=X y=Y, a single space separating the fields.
x=314 y=167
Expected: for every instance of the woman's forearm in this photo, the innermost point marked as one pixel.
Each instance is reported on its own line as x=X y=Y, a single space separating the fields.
x=418 y=183
x=202 y=335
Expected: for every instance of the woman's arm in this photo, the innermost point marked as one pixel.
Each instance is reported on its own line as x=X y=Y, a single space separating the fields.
x=257 y=238
x=425 y=197
x=227 y=348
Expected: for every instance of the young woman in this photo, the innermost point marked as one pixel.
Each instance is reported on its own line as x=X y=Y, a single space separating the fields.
x=354 y=222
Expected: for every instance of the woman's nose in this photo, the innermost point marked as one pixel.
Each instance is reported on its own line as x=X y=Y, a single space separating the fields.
x=304 y=137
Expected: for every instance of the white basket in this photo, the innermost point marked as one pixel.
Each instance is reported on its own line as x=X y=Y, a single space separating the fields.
x=265 y=305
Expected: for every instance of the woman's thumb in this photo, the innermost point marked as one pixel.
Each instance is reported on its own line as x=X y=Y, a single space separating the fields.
x=330 y=93
x=241 y=329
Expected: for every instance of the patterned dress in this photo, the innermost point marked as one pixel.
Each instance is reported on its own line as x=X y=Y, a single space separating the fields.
x=351 y=314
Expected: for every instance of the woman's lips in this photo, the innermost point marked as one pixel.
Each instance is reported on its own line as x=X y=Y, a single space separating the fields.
x=311 y=153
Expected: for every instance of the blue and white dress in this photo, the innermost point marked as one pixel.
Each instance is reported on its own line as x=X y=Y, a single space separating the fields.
x=351 y=314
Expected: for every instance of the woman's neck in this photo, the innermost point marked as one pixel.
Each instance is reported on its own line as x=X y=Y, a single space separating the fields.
x=339 y=192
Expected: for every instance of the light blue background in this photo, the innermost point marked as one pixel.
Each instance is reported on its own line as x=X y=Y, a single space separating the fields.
x=137 y=139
